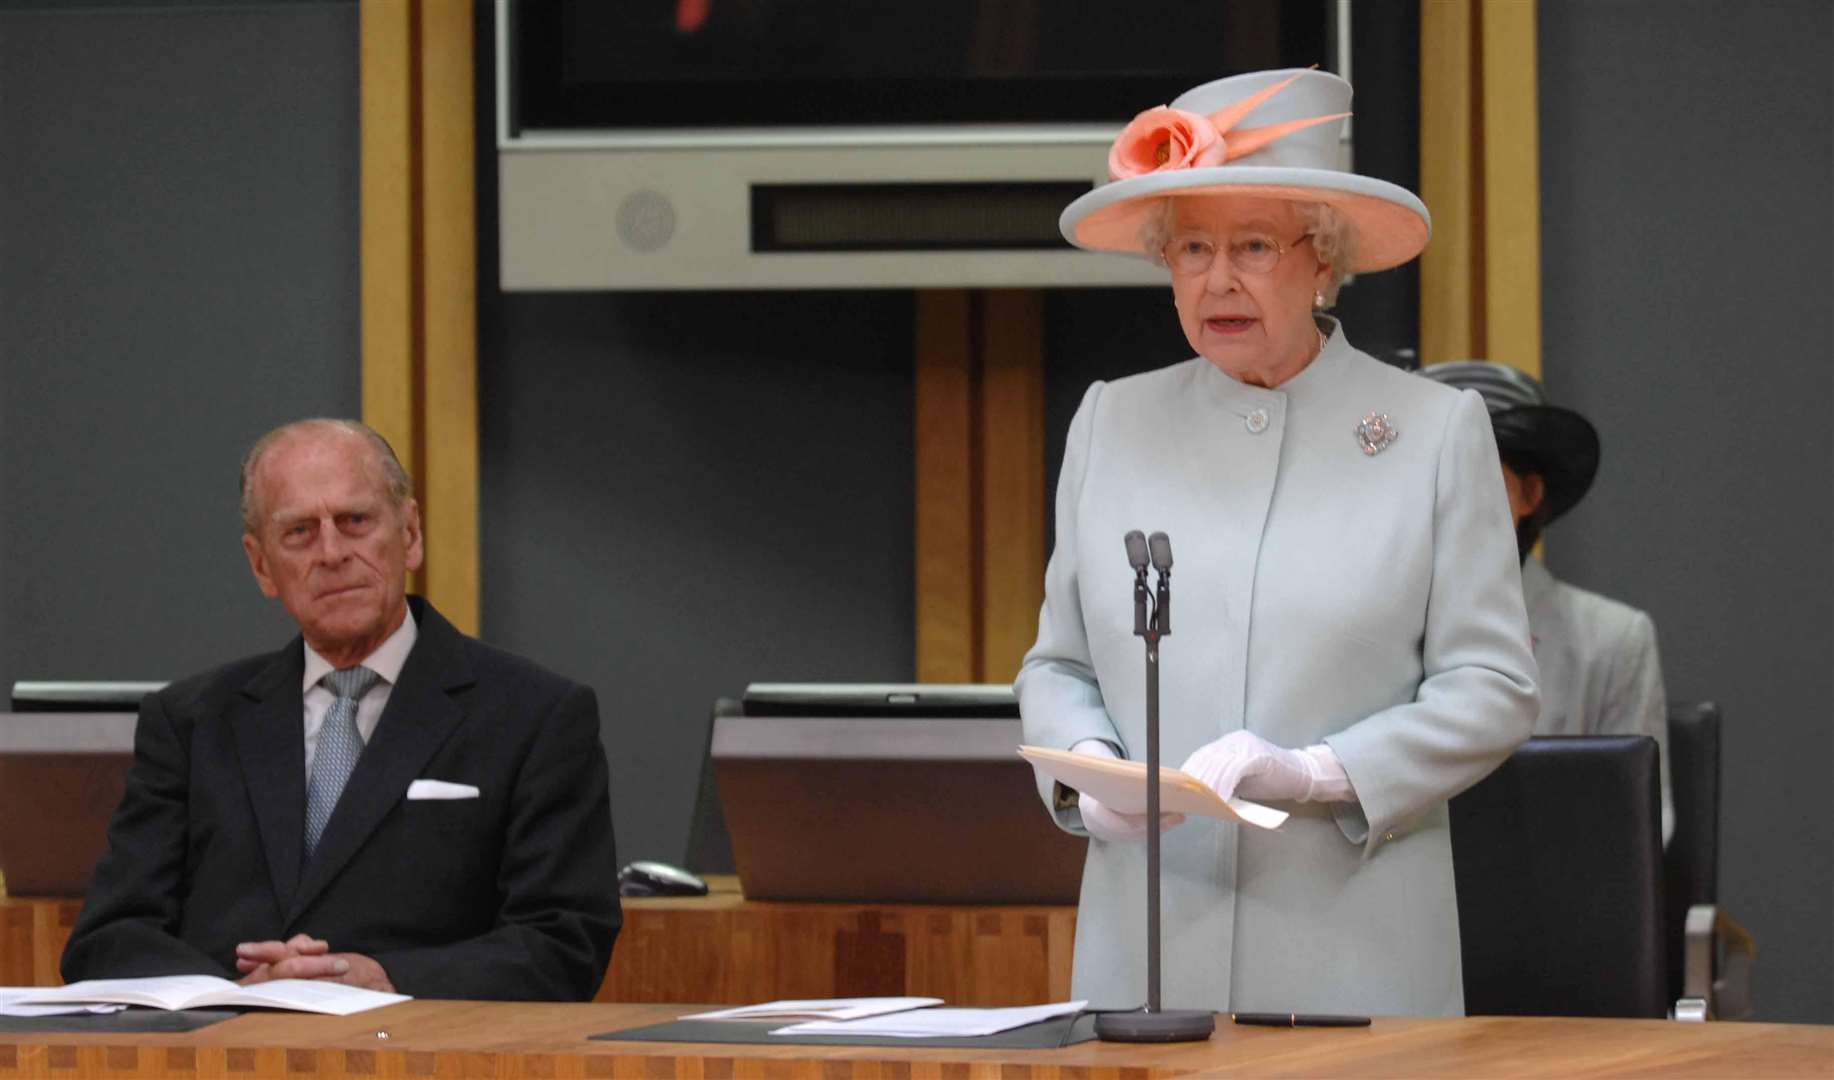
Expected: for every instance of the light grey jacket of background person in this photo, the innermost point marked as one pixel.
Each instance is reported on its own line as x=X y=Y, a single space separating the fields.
x=1600 y=674
x=1372 y=602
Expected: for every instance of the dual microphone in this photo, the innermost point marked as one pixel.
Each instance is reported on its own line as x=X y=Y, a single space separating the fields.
x=1152 y=613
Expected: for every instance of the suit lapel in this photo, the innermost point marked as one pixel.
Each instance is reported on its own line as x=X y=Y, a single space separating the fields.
x=270 y=741
x=419 y=718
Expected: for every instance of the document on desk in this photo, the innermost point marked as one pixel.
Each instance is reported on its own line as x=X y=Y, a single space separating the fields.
x=938 y=1023
x=821 y=1009
x=204 y=991
x=11 y=996
x=1121 y=785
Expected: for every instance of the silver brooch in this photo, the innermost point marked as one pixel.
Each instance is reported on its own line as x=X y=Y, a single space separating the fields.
x=1375 y=433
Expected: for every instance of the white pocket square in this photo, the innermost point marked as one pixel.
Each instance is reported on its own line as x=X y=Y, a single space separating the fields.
x=440 y=789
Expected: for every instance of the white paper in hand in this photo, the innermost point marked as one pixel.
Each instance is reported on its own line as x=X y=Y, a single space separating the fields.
x=1121 y=786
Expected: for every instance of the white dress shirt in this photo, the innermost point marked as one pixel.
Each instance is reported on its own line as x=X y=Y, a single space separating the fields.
x=386 y=661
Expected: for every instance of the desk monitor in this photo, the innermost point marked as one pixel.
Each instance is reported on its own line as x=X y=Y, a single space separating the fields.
x=61 y=777
x=888 y=794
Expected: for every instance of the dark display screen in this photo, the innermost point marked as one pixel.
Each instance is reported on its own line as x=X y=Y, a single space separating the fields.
x=648 y=64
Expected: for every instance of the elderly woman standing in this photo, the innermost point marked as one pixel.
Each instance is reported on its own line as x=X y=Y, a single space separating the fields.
x=1351 y=644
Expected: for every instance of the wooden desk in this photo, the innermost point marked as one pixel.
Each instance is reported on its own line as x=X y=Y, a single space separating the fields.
x=724 y=949
x=32 y=936
x=473 y=1039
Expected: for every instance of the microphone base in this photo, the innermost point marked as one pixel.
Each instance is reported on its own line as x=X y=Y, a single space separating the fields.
x=1164 y=1026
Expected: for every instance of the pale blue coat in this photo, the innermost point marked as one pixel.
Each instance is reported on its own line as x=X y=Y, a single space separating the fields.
x=1371 y=602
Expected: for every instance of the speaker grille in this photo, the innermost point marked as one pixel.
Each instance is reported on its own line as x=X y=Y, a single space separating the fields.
x=646 y=220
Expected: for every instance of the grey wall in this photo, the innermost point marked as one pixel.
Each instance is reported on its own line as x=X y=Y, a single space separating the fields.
x=1686 y=179
x=686 y=493
x=178 y=272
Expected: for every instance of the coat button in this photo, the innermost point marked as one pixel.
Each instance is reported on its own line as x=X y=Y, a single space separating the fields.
x=1257 y=421
x=1388 y=837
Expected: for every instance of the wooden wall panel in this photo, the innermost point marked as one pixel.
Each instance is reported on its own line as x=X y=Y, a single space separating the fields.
x=33 y=931
x=946 y=535
x=1512 y=185
x=1450 y=267
x=722 y=949
x=1013 y=504
x=448 y=275
x=980 y=482
x=1480 y=278
x=419 y=244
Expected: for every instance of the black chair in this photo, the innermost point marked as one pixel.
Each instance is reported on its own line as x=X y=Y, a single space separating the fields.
x=1709 y=953
x=1558 y=861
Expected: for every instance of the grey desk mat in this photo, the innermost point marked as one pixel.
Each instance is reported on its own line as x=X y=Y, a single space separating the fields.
x=1045 y=1035
x=127 y=1020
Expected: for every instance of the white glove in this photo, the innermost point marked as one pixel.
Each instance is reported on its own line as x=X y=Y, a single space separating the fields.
x=1242 y=763
x=1112 y=825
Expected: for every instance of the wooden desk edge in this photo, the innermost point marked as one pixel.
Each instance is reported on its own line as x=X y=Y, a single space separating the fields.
x=443 y=1038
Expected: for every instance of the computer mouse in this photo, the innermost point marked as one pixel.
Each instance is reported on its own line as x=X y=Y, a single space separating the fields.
x=646 y=878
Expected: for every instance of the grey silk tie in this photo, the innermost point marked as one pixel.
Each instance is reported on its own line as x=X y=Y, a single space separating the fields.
x=339 y=745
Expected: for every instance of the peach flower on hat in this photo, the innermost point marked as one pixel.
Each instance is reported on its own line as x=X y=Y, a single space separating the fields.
x=1165 y=138
x=1265 y=134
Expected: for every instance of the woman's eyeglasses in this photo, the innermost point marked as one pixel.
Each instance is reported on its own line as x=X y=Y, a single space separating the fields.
x=1250 y=253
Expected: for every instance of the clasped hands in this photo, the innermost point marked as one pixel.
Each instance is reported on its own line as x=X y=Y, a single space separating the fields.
x=305 y=957
x=1240 y=763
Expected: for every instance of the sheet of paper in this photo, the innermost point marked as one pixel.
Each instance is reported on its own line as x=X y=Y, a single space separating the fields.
x=820 y=1009
x=162 y=992
x=1121 y=785
x=937 y=1023
x=305 y=995
x=204 y=991
x=10 y=1005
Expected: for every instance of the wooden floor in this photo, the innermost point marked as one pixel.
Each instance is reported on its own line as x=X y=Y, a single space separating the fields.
x=474 y=1039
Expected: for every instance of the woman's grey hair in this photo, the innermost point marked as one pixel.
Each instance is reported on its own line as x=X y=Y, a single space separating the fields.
x=1333 y=238
x=395 y=478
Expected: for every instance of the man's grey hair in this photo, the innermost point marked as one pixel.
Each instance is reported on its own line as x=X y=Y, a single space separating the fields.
x=395 y=478
x=1333 y=236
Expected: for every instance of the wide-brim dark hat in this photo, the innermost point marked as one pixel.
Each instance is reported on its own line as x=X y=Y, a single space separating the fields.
x=1559 y=444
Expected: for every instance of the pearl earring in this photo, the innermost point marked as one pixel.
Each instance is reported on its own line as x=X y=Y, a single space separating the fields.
x=1318 y=299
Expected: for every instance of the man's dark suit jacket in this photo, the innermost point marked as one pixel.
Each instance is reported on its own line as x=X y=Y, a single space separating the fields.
x=512 y=895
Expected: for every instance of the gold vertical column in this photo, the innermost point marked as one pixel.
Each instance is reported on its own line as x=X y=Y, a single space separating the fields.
x=980 y=482
x=1480 y=278
x=947 y=570
x=1012 y=495
x=420 y=274
x=386 y=43
x=1512 y=184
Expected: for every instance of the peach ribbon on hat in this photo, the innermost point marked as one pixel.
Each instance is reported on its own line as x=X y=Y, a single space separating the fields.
x=1163 y=138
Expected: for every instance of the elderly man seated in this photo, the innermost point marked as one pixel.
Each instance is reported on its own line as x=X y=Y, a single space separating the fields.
x=384 y=801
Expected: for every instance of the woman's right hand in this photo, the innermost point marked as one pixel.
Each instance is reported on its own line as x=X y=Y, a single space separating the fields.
x=1112 y=825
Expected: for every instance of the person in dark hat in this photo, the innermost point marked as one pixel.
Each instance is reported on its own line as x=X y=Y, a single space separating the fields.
x=1600 y=674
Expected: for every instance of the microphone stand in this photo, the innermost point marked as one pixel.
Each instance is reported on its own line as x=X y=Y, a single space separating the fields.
x=1152 y=621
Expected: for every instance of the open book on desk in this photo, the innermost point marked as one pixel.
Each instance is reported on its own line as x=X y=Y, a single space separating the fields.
x=208 y=991
x=1121 y=786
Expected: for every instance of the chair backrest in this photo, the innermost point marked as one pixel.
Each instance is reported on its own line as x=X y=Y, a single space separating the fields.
x=1691 y=864
x=1558 y=859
